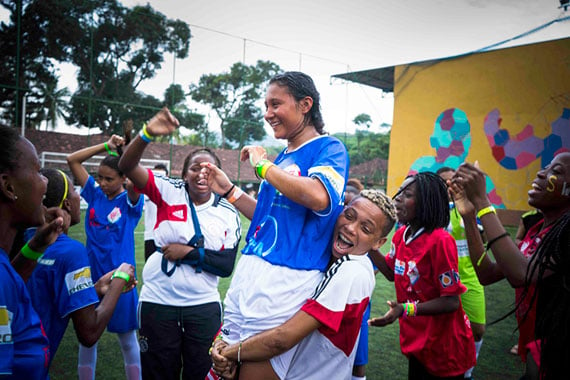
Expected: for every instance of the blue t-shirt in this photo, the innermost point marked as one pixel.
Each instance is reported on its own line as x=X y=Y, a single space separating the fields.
x=24 y=348
x=109 y=226
x=286 y=233
x=61 y=284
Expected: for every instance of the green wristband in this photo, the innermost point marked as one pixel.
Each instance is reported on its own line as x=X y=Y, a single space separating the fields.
x=29 y=253
x=121 y=275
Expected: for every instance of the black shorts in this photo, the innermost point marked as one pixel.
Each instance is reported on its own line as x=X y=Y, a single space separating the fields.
x=177 y=339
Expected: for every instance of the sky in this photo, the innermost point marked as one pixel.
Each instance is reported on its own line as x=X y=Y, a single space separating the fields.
x=327 y=37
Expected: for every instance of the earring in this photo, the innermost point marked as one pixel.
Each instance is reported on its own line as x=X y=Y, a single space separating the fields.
x=15 y=197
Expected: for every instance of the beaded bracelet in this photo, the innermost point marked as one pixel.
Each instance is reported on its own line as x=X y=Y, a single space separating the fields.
x=29 y=253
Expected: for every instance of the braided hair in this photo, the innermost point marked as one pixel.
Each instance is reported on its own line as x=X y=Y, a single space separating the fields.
x=432 y=201
x=552 y=294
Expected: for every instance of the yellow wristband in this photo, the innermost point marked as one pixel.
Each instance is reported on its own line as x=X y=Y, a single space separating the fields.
x=146 y=134
x=29 y=253
x=485 y=211
x=262 y=167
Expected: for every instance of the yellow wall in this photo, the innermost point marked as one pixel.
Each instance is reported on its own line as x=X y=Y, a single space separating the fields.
x=527 y=84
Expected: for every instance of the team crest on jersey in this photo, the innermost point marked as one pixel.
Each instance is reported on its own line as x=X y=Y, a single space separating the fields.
x=5 y=326
x=446 y=279
x=399 y=267
x=413 y=273
x=334 y=178
x=78 y=280
x=114 y=215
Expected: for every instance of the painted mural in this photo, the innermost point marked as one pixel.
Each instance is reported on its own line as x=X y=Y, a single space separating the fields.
x=451 y=140
x=508 y=109
x=520 y=150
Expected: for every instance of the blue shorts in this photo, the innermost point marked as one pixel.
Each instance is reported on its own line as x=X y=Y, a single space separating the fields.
x=361 y=357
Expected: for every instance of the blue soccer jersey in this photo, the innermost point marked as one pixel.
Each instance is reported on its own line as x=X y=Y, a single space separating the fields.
x=24 y=348
x=61 y=284
x=110 y=226
x=286 y=233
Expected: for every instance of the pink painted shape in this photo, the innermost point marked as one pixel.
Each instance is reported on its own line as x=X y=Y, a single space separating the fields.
x=525 y=133
x=524 y=158
x=494 y=197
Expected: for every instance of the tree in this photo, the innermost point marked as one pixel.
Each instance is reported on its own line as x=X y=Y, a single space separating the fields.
x=232 y=95
x=114 y=48
x=55 y=102
x=359 y=120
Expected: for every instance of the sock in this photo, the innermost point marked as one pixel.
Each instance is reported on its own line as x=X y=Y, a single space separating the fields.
x=131 y=354
x=358 y=377
x=87 y=361
x=478 y=345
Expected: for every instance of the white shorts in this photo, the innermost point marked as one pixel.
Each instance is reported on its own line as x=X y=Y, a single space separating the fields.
x=262 y=296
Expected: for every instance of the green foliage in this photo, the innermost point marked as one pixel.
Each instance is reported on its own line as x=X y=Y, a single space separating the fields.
x=232 y=95
x=114 y=48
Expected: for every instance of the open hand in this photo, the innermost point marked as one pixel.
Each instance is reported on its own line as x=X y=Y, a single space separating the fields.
x=254 y=153
x=390 y=316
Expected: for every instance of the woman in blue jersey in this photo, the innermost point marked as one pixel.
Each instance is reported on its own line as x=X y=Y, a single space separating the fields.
x=61 y=287
x=24 y=349
x=112 y=216
x=300 y=198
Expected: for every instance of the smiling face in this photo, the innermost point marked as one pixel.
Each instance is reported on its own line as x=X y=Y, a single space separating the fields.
x=358 y=229
x=198 y=187
x=405 y=201
x=285 y=116
x=550 y=190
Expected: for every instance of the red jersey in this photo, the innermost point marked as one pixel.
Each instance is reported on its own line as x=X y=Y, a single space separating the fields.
x=425 y=268
x=528 y=247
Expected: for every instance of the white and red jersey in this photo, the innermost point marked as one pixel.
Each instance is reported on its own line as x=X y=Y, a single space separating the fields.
x=338 y=304
x=220 y=226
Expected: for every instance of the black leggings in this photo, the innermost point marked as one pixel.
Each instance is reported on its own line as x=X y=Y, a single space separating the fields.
x=175 y=339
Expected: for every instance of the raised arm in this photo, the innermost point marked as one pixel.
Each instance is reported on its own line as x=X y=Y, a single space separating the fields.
x=511 y=261
x=488 y=271
x=163 y=123
x=76 y=159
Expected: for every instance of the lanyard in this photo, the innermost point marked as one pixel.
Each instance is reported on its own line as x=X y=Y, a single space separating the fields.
x=197 y=241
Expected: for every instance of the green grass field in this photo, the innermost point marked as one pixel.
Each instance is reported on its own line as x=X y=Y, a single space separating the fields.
x=385 y=359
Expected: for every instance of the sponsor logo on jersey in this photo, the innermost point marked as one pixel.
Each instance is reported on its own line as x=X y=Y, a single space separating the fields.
x=5 y=325
x=399 y=267
x=114 y=215
x=78 y=280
